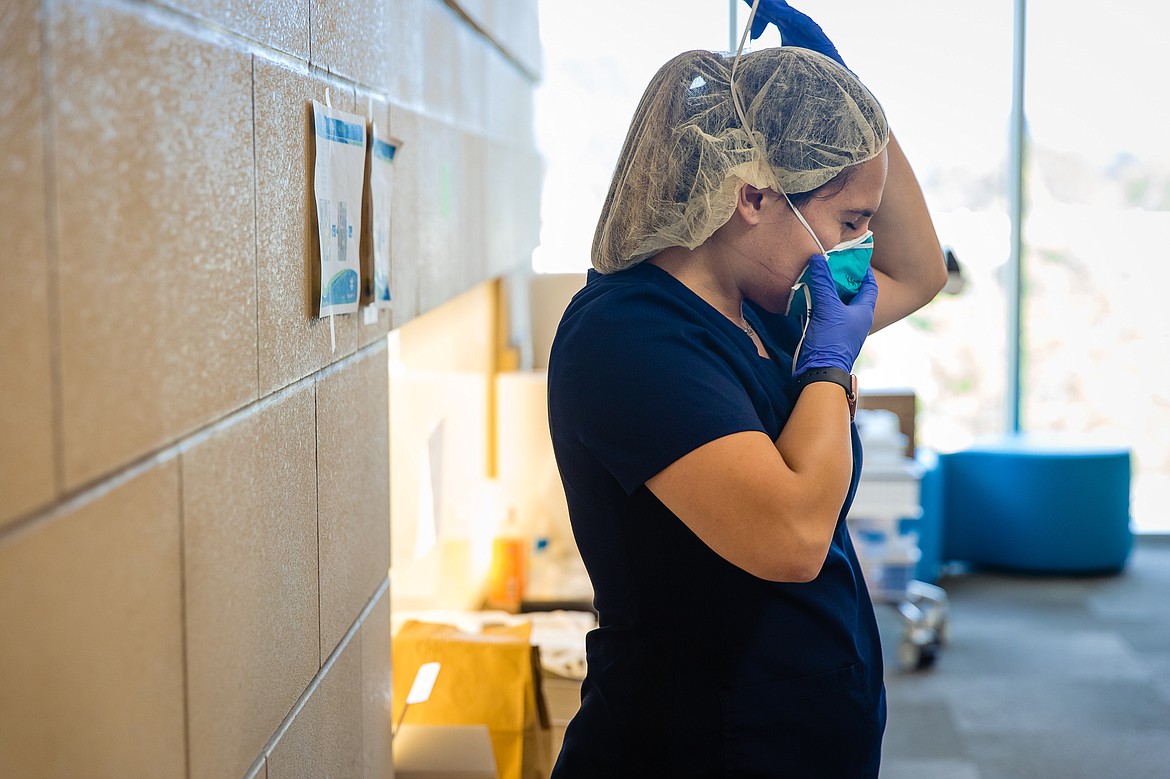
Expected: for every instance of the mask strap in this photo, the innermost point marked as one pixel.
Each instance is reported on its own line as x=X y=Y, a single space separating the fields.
x=800 y=216
x=804 y=326
x=747 y=130
x=853 y=244
x=735 y=64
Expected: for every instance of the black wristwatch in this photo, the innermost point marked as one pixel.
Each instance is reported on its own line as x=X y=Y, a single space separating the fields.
x=848 y=382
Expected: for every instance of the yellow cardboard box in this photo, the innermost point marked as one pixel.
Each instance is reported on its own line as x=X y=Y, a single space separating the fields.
x=491 y=678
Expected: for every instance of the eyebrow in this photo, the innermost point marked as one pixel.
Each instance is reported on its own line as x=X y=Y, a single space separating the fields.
x=862 y=212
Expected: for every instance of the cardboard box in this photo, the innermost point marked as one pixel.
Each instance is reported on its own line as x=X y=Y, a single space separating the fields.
x=444 y=752
x=900 y=401
x=492 y=678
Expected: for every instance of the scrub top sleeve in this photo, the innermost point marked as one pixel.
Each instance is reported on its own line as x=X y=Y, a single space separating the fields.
x=647 y=396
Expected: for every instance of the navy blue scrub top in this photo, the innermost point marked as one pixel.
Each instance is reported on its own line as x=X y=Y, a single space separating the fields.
x=697 y=668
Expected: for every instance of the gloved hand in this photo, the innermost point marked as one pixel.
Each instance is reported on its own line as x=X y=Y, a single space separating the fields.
x=796 y=28
x=836 y=330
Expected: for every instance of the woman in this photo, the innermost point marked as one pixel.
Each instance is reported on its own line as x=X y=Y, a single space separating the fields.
x=703 y=431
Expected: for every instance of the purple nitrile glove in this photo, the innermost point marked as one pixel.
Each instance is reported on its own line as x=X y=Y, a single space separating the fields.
x=836 y=330
x=796 y=28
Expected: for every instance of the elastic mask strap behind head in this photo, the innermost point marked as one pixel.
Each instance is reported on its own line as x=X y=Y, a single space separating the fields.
x=735 y=64
x=743 y=117
x=748 y=131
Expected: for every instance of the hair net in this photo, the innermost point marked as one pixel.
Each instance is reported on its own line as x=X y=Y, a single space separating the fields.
x=688 y=152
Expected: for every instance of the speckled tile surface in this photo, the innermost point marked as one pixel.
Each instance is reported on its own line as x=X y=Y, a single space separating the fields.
x=156 y=254
x=27 y=479
x=250 y=566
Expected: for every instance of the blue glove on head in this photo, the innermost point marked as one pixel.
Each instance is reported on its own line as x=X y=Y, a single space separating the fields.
x=796 y=29
x=835 y=330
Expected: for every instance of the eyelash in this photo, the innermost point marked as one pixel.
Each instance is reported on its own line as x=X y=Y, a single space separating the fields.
x=850 y=225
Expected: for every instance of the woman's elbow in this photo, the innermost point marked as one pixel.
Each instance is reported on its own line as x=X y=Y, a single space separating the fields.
x=936 y=280
x=799 y=571
x=798 y=560
x=930 y=271
x=925 y=285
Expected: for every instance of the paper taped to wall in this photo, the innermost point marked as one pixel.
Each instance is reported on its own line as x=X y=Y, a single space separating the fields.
x=382 y=151
x=338 y=180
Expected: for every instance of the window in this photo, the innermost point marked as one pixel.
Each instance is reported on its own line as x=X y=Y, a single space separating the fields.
x=1096 y=324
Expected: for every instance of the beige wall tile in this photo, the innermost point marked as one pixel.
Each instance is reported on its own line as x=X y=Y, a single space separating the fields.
x=513 y=25
x=353 y=465
x=292 y=342
x=516 y=24
x=281 y=24
x=510 y=117
x=405 y=254
x=27 y=479
x=512 y=207
x=91 y=645
x=471 y=94
x=155 y=234
x=406 y=53
x=446 y=268
x=376 y=723
x=473 y=227
x=441 y=43
x=514 y=176
x=352 y=38
x=325 y=737
x=500 y=196
x=250 y=534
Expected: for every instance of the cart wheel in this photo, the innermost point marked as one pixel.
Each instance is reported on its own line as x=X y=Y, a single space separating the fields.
x=918 y=655
x=944 y=632
x=909 y=655
x=927 y=656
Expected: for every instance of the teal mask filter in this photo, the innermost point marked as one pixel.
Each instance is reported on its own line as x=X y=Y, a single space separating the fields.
x=848 y=263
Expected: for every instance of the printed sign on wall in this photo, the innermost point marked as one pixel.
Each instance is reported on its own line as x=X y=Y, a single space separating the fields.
x=382 y=151
x=337 y=188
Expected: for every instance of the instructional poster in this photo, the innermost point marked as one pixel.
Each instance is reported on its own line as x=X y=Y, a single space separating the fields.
x=382 y=151
x=337 y=187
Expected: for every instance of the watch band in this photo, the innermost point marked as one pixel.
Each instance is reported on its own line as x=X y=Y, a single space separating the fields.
x=844 y=379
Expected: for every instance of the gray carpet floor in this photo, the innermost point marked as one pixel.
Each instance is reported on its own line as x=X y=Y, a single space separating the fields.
x=1044 y=678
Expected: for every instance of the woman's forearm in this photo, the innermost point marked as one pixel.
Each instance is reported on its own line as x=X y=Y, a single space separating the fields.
x=907 y=258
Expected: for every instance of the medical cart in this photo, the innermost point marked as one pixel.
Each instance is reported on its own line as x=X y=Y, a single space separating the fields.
x=882 y=522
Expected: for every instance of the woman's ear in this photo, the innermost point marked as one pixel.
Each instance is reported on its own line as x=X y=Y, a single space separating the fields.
x=750 y=203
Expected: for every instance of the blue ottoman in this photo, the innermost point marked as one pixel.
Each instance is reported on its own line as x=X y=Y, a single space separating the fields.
x=1036 y=504
x=930 y=521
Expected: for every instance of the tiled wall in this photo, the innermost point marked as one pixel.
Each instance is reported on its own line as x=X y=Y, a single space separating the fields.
x=194 y=497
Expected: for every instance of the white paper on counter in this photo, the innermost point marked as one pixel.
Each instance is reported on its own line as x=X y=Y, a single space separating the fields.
x=338 y=179
x=382 y=151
